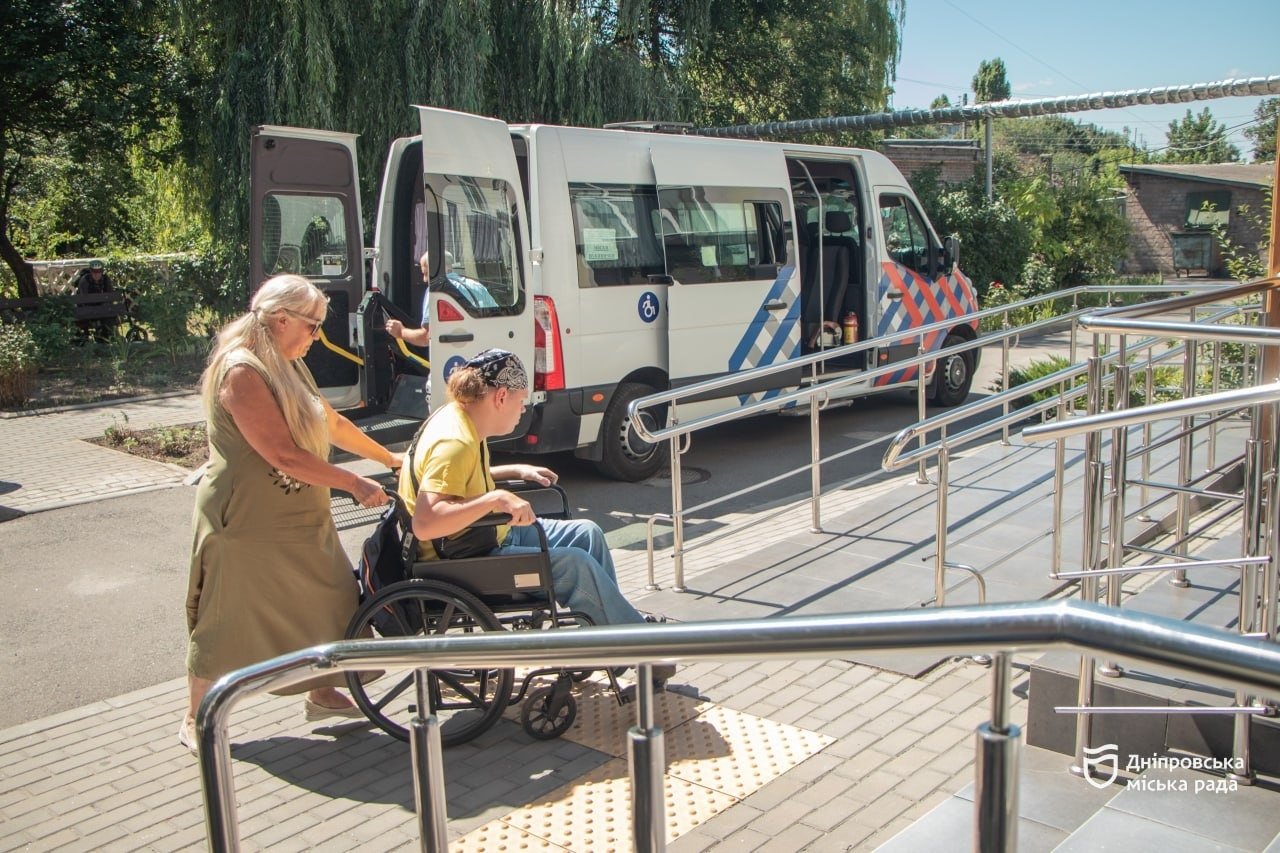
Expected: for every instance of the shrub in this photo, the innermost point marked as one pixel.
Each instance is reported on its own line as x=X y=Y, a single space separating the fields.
x=1034 y=370
x=18 y=364
x=53 y=327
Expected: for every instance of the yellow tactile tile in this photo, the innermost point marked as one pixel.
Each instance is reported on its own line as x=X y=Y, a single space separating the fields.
x=593 y=814
x=737 y=753
x=498 y=836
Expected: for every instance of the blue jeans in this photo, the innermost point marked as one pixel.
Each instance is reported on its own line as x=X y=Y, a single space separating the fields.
x=582 y=571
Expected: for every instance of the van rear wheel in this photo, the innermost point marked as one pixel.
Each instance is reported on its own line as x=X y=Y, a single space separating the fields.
x=625 y=455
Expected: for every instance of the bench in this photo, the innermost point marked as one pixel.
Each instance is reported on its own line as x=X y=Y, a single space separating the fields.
x=84 y=306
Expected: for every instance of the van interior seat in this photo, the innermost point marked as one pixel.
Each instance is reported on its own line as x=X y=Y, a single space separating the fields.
x=837 y=262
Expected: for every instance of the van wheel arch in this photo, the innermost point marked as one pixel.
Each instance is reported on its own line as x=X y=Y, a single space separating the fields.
x=623 y=454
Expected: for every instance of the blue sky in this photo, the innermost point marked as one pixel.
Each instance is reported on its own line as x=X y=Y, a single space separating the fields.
x=1075 y=47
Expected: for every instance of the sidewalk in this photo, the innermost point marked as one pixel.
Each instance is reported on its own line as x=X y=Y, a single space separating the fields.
x=46 y=461
x=857 y=752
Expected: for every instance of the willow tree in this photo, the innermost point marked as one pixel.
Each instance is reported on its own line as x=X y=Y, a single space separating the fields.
x=358 y=67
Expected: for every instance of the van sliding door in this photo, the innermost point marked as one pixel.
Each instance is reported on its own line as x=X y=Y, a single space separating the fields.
x=477 y=231
x=734 y=298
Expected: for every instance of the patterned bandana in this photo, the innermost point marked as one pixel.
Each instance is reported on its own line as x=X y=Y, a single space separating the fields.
x=500 y=369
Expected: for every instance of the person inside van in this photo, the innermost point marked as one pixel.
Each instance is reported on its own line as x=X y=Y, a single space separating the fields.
x=487 y=396
x=419 y=337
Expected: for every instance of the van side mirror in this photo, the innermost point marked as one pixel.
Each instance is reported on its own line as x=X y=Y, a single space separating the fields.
x=950 y=252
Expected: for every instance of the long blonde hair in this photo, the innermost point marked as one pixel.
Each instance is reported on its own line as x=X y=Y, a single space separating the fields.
x=248 y=340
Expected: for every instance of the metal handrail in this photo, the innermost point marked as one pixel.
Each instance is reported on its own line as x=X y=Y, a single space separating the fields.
x=1236 y=398
x=1004 y=628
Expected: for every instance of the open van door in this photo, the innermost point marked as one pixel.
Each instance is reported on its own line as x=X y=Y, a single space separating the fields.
x=477 y=233
x=734 y=297
x=304 y=218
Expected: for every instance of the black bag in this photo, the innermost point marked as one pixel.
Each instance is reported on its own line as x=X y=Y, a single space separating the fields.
x=472 y=542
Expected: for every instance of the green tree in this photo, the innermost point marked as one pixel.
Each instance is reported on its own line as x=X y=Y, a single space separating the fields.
x=776 y=61
x=83 y=79
x=1199 y=139
x=1263 y=134
x=991 y=83
x=941 y=102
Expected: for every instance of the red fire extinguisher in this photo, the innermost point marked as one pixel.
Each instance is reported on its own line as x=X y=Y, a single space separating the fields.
x=849 y=328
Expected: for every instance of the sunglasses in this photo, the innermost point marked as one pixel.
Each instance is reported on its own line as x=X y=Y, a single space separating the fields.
x=311 y=321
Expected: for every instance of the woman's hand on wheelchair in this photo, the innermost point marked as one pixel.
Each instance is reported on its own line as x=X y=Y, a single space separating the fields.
x=368 y=493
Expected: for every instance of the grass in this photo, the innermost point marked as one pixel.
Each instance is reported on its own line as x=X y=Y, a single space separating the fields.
x=186 y=446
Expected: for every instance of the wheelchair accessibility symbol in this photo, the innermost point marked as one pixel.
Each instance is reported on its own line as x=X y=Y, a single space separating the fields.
x=453 y=364
x=648 y=306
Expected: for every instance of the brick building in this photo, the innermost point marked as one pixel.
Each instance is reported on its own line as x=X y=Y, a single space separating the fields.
x=956 y=158
x=1165 y=208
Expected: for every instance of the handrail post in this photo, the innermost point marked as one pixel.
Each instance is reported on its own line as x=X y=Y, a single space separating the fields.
x=940 y=529
x=1116 y=535
x=995 y=795
x=1216 y=382
x=222 y=826
x=1059 y=478
x=646 y=755
x=815 y=468
x=1004 y=373
x=1271 y=571
x=1147 y=433
x=677 y=506
x=1252 y=530
x=1093 y=487
x=922 y=467
x=427 y=755
x=1185 y=448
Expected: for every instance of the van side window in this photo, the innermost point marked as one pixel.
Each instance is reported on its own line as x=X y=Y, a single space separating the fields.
x=477 y=261
x=717 y=234
x=614 y=234
x=305 y=234
x=905 y=237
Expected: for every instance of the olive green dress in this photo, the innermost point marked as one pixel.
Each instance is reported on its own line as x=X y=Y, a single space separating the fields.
x=268 y=573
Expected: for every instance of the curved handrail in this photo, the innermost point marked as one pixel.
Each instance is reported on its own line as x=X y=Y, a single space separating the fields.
x=1193 y=649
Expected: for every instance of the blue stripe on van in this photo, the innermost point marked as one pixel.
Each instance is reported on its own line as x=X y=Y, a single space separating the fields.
x=752 y=332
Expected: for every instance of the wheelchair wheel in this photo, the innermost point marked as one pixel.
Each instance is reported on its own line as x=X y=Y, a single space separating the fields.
x=466 y=702
x=545 y=715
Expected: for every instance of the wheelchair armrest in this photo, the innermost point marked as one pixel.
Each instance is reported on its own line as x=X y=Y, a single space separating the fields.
x=493 y=519
x=532 y=487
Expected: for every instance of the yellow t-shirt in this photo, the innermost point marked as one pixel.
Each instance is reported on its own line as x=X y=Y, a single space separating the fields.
x=449 y=459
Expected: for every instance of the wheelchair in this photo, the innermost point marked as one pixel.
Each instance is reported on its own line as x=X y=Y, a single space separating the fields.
x=493 y=592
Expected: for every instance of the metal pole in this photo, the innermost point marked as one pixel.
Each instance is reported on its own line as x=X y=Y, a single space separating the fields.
x=677 y=510
x=1004 y=372
x=1093 y=485
x=222 y=826
x=646 y=756
x=1254 y=455
x=987 y=134
x=1185 y=448
x=922 y=467
x=1119 y=457
x=940 y=529
x=815 y=468
x=1216 y=383
x=1271 y=572
x=1147 y=433
x=995 y=796
x=427 y=756
x=1059 y=476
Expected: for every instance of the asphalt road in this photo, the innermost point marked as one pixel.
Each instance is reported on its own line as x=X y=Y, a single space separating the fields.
x=93 y=603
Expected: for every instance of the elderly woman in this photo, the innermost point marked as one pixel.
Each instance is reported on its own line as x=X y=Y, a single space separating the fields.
x=451 y=486
x=268 y=574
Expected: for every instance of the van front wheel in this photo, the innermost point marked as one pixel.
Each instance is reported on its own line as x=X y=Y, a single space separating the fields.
x=953 y=375
x=625 y=455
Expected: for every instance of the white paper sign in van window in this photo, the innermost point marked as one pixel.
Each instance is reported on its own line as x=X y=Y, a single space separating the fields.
x=331 y=264
x=599 y=244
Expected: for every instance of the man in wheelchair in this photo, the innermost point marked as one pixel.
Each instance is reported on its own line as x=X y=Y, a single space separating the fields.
x=451 y=485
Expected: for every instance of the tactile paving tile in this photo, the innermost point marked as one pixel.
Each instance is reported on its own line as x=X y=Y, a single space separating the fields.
x=737 y=753
x=497 y=836
x=602 y=723
x=715 y=757
x=593 y=814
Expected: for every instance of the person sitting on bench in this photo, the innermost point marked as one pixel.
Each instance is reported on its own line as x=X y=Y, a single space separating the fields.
x=451 y=462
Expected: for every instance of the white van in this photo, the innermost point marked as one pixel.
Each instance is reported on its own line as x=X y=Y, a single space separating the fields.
x=614 y=262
